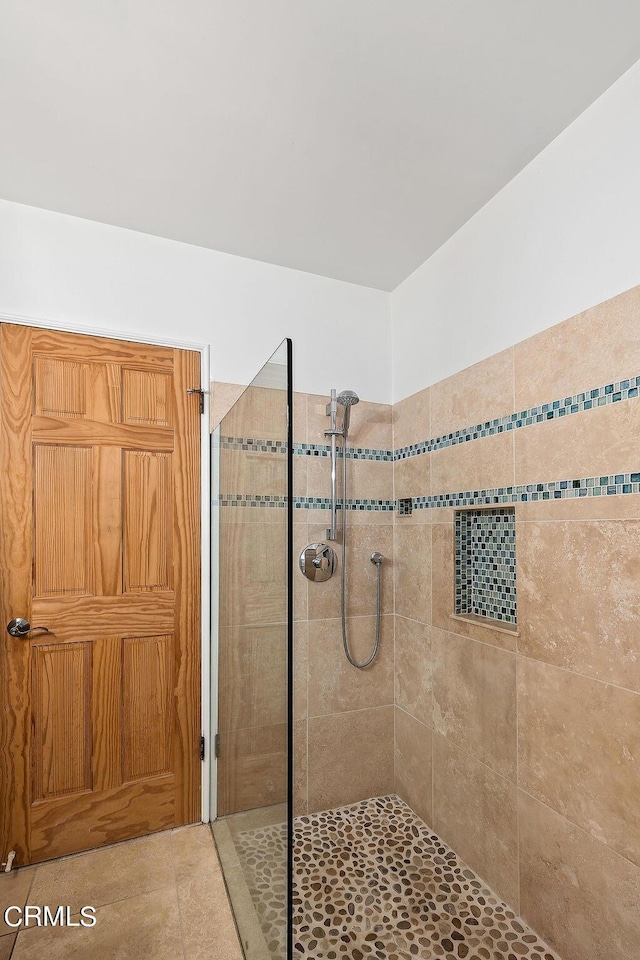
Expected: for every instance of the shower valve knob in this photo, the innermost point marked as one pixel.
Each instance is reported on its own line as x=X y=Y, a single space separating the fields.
x=318 y=562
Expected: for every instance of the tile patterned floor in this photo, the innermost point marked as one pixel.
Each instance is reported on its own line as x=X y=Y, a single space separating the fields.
x=160 y=897
x=372 y=882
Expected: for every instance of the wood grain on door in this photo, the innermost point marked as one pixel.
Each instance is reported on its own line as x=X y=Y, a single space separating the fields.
x=100 y=514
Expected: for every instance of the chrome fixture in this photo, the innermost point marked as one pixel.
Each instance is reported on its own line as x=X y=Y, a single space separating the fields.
x=318 y=562
x=333 y=432
x=347 y=399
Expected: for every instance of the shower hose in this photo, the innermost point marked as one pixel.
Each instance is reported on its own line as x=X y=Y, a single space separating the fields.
x=343 y=577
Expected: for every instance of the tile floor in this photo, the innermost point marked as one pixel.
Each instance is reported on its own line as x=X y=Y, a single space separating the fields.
x=372 y=882
x=160 y=897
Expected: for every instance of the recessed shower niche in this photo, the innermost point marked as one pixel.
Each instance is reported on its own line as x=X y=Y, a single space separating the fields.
x=485 y=565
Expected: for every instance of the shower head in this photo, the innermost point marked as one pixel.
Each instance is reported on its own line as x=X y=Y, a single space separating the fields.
x=347 y=399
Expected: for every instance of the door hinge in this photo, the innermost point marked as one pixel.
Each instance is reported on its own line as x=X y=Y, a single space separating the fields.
x=216 y=745
x=200 y=393
x=202 y=748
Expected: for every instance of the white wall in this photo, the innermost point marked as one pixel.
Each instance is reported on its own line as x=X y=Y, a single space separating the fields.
x=562 y=236
x=72 y=271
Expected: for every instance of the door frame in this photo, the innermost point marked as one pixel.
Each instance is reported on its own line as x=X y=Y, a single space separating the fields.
x=208 y=689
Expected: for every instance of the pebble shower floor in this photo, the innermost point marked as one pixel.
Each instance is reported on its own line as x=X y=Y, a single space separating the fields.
x=373 y=882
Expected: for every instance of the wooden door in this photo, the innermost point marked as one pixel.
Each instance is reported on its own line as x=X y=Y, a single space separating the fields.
x=100 y=543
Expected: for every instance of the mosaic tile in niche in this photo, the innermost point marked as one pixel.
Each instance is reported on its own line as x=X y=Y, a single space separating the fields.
x=485 y=560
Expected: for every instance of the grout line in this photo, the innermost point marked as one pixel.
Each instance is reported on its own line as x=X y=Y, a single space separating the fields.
x=13 y=945
x=524 y=656
x=345 y=713
x=572 y=823
x=476 y=759
x=255 y=726
x=132 y=896
x=462 y=636
x=602 y=519
x=412 y=717
x=180 y=920
x=173 y=861
x=575 y=673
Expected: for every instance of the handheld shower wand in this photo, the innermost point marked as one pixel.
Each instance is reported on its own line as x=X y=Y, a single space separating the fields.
x=348 y=399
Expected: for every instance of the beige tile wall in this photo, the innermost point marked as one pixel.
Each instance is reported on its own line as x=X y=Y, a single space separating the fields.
x=523 y=751
x=347 y=737
x=343 y=732
x=252 y=714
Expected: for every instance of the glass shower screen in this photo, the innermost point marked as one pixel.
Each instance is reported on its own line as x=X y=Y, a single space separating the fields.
x=252 y=564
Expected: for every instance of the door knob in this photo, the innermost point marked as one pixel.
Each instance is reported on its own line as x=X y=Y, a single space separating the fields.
x=21 y=627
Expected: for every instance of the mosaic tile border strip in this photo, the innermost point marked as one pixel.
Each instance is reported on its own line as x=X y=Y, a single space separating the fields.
x=485 y=564
x=299 y=503
x=248 y=500
x=252 y=445
x=628 y=389
x=579 y=403
x=353 y=453
x=601 y=486
x=324 y=503
x=612 y=485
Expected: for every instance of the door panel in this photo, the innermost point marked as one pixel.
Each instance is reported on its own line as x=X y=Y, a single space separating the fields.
x=100 y=511
x=147 y=681
x=61 y=709
x=147 y=397
x=60 y=387
x=63 y=561
x=148 y=532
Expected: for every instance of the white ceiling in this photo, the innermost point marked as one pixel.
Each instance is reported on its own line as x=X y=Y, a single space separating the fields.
x=349 y=138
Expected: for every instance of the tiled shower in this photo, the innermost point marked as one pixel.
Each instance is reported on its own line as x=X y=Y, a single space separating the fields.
x=500 y=724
